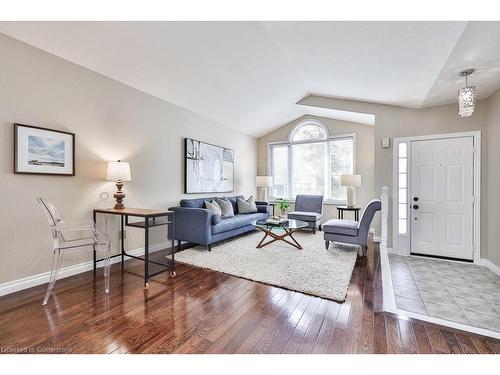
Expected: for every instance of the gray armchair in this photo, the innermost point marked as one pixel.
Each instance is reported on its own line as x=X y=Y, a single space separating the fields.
x=308 y=208
x=350 y=231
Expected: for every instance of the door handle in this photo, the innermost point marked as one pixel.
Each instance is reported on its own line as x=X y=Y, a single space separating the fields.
x=415 y=206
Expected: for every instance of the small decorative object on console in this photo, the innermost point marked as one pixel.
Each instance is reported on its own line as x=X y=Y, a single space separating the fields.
x=276 y=220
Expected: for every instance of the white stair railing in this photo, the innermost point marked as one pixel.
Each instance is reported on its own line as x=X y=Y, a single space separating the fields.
x=384 y=215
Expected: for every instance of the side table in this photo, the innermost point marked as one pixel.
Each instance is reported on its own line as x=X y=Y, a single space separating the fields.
x=152 y=218
x=341 y=209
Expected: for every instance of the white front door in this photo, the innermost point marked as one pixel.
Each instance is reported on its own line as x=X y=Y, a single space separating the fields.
x=441 y=197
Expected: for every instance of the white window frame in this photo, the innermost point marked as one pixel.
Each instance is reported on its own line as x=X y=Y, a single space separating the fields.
x=306 y=122
x=401 y=243
x=398 y=187
x=289 y=143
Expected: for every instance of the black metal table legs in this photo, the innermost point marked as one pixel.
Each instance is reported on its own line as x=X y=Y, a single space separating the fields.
x=146 y=259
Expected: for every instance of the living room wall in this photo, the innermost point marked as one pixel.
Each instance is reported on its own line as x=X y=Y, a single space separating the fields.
x=111 y=121
x=492 y=179
x=365 y=161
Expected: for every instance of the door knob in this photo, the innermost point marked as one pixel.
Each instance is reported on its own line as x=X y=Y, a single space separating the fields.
x=415 y=199
x=415 y=206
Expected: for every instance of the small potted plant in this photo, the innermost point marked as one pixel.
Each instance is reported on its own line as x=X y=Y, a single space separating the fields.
x=283 y=205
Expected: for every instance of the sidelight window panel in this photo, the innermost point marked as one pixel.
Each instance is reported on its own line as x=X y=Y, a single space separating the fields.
x=402 y=164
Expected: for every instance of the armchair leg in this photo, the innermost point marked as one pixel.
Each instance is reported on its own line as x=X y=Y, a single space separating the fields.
x=209 y=247
x=320 y=227
x=327 y=244
x=314 y=229
x=362 y=251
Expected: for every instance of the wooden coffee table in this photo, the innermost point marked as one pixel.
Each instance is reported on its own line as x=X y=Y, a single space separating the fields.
x=280 y=233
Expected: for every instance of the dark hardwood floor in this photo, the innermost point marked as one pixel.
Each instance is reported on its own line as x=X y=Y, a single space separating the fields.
x=203 y=311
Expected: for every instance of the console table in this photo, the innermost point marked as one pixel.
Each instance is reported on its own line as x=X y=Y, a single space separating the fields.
x=341 y=209
x=151 y=218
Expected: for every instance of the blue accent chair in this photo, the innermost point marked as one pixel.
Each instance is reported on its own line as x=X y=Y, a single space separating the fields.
x=350 y=231
x=308 y=208
x=194 y=224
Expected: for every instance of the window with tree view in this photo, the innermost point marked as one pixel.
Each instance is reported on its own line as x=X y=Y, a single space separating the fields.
x=311 y=163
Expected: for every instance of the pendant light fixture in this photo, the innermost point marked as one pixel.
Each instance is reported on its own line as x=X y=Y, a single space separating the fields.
x=466 y=96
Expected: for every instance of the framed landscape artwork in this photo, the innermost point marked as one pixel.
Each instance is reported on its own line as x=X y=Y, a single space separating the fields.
x=209 y=168
x=43 y=151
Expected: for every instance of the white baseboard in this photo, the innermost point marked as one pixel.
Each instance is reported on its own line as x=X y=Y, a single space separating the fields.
x=42 y=278
x=488 y=264
x=392 y=251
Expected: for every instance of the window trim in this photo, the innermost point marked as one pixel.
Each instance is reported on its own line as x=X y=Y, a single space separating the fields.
x=306 y=122
x=329 y=138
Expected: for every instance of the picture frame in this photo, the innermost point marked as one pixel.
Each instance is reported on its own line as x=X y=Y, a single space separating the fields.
x=43 y=151
x=208 y=168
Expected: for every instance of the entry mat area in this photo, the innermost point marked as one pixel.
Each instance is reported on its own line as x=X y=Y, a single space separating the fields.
x=462 y=293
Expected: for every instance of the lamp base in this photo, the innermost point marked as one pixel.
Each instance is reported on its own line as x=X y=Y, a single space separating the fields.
x=119 y=196
x=351 y=202
x=262 y=193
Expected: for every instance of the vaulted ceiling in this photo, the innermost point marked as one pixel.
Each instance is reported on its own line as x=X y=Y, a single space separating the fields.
x=250 y=75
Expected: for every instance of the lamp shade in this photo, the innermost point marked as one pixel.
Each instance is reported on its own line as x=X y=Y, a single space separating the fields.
x=350 y=180
x=264 y=181
x=118 y=170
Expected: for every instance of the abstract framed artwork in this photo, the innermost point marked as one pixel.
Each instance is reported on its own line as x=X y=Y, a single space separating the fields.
x=43 y=151
x=208 y=168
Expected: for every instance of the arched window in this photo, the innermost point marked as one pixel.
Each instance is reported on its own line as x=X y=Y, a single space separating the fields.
x=308 y=130
x=311 y=162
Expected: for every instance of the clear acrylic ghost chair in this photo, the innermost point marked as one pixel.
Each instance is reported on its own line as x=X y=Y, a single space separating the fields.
x=71 y=235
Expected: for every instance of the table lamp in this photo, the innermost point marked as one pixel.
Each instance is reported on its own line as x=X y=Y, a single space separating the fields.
x=119 y=171
x=350 y=181
x=264 y=182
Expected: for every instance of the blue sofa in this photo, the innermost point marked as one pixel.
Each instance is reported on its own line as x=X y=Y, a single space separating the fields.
x=194 y=224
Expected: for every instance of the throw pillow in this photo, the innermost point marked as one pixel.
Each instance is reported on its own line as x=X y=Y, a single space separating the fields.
x=247 y=207
x=226 y=207
x=215 y=210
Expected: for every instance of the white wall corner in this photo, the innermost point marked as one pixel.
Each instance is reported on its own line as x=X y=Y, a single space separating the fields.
x=43 y=278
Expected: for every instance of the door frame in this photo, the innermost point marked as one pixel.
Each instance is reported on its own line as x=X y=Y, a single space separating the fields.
x=401 y=242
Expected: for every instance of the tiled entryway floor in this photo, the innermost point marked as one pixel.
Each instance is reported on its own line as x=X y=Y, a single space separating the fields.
x=462 y=293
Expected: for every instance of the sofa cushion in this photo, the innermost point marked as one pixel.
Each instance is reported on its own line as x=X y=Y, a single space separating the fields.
x=247 y=206
x=215 y=210
x=262 y=207
x=234 y=202
x=194 y=203
x=235 y=222
x=344 y=227
x=304 y=215
x=226 y=207
x=200 y=202
x=213 y=207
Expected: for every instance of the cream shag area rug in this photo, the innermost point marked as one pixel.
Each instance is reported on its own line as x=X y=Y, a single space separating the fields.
x=313 y=270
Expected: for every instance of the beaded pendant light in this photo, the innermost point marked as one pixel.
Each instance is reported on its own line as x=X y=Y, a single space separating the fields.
x=466 y=96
